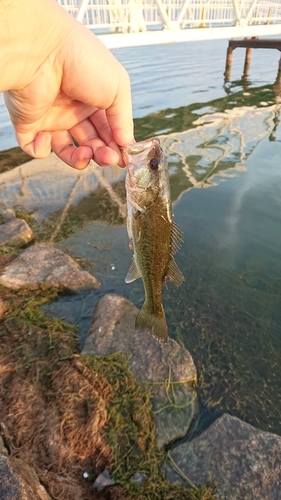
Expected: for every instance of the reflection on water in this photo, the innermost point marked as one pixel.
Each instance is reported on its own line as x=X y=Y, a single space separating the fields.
x=227 y=313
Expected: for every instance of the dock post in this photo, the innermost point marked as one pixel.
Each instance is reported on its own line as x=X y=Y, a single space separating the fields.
x=228 y=64
x=277 y=85
x=248 y=56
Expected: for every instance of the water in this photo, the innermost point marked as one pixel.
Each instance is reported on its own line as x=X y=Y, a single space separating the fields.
x=222 y=141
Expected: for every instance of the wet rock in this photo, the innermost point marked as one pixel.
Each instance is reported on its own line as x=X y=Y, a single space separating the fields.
x=168 y=369
x=3 y=309
x=16 y=232
x=18 y=481
x=103 y=480
x=44 y=265
x=244 y=462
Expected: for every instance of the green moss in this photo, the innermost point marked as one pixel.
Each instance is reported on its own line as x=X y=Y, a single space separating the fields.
x=32 y=343
x=5 y=250
x=131 y=434
x=24 y=216
x=28 y=311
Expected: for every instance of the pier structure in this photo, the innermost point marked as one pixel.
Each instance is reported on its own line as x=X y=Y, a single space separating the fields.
x=249 y=45
x=124 y=23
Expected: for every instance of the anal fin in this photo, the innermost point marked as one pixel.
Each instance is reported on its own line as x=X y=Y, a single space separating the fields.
x=174 y=273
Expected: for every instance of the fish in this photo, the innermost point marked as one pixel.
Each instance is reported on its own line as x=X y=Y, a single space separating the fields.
x=154 y=236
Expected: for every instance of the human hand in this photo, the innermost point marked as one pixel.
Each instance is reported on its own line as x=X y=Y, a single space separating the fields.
x=74 y=88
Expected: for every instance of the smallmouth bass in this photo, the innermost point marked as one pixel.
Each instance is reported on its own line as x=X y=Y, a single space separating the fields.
x=154 y=237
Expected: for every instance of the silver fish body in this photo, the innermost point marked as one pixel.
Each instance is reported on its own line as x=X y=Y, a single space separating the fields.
x=154 y=237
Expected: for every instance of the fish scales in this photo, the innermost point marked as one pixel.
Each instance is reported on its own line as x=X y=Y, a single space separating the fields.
x=154 y=236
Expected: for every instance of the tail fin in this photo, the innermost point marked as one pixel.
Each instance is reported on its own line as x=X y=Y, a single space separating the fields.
x=154 y=323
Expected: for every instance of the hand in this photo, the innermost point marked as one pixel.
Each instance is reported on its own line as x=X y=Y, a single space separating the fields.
x=76 y=89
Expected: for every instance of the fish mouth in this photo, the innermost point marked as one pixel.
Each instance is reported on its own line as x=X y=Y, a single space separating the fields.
x=140 y=148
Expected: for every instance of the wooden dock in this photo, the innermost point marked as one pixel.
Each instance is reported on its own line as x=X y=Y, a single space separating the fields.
x=249 y=44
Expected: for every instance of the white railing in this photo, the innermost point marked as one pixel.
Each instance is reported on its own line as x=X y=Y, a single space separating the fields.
x=142 y=15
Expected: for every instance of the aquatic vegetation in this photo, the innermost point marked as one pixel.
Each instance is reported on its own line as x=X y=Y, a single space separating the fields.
x=58 y=406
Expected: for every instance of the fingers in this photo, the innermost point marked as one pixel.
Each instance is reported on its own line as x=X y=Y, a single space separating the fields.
x=38 y=147
x=96 y=133
x=93 y=136
x=90 y=147
x=64 y=148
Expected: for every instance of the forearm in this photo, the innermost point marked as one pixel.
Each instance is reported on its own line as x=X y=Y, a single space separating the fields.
x=27 y=29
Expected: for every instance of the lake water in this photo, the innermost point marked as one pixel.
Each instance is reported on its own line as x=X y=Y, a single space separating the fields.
x=223 y=144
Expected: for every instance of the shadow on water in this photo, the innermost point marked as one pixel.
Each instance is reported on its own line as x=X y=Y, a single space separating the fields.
x=227 y=313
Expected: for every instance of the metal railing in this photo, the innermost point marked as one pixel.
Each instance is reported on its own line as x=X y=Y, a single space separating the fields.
x=142 y=15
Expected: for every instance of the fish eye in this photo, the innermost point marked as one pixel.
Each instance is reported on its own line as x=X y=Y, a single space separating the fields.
x=154 y=163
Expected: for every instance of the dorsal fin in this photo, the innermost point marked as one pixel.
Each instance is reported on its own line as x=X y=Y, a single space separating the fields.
x=176 y=238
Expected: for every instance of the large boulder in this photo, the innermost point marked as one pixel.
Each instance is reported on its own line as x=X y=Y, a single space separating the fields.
x=45 y=266
x=167 y=369
x=243 y=462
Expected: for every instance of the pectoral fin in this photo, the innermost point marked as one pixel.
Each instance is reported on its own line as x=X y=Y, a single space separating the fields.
x=133 y=273
x=174 y=274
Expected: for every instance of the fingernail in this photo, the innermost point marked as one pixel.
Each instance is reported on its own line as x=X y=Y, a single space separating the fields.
x=88 y=155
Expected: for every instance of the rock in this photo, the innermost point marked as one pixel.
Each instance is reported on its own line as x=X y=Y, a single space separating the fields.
x=138 y=479
x=18 y=481
x=6 y=213
x=3 y=308
x=16 y=232
x=36 y=188
x=244 y=462
x=44 y=265
x=103 y=480
x=3 y=450
x=167 y=368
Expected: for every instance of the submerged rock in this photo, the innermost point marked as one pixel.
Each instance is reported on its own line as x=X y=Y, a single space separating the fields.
x=43 y=265
x=15 y=232
x=244 y=462
x=167 y=369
